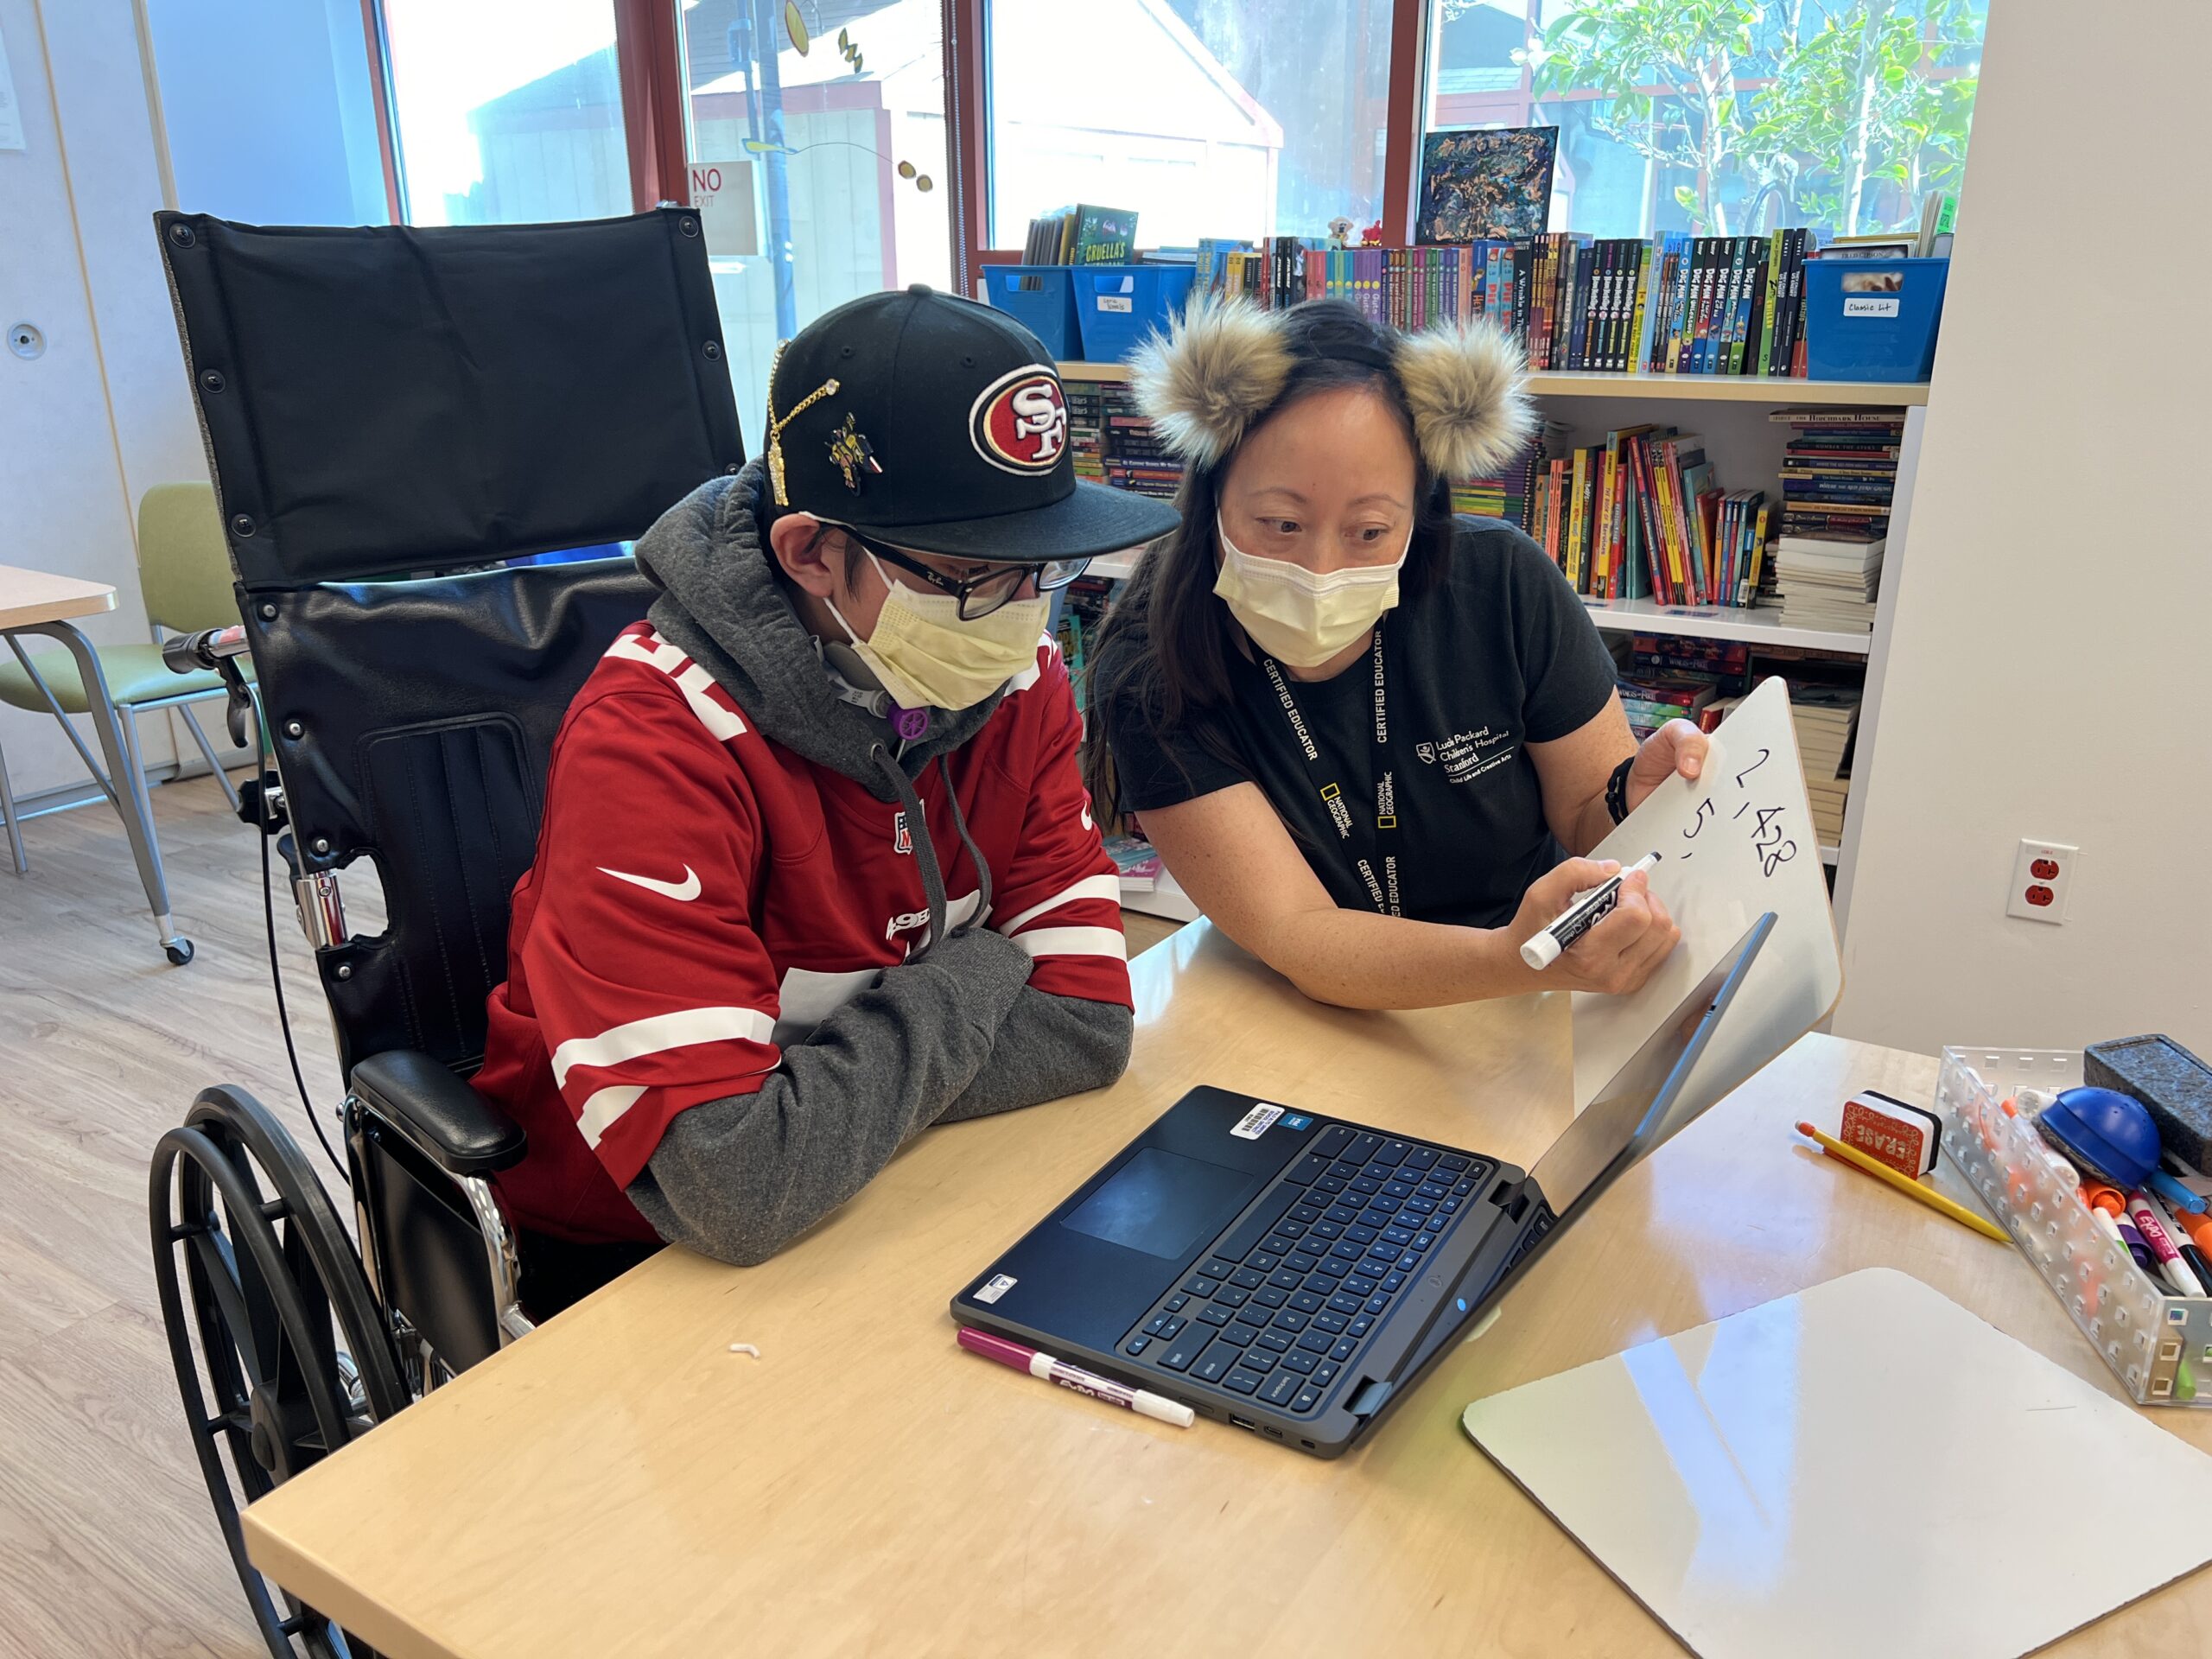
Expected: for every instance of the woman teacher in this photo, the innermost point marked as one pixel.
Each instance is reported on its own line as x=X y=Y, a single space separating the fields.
x=1370 y=739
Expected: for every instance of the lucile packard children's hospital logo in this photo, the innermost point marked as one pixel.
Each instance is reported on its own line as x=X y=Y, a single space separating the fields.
x=1019 y=424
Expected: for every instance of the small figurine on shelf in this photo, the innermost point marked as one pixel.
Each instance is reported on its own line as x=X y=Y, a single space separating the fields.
x=1372 y=235
x=1340 y=233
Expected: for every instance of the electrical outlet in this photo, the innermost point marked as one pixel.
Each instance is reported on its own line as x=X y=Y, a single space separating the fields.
x=2041 y=877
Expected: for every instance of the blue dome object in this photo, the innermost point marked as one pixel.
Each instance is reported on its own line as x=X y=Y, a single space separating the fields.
x=2107 y=1133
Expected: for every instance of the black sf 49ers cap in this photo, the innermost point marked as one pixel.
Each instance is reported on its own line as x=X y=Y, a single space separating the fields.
x=937 y=423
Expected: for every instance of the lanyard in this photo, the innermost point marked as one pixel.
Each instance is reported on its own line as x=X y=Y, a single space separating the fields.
x=1369 y=843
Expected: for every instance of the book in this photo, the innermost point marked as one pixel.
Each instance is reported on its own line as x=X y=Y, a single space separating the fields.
x=1102 y=236
x=1138 y=864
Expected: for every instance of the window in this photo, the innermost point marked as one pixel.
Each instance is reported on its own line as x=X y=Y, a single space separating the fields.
x=822 y=124
x=506 y=112
x=1732 y=117
x=1208 y=117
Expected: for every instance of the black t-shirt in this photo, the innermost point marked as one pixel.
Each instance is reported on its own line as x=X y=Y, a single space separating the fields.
x=1497 y=656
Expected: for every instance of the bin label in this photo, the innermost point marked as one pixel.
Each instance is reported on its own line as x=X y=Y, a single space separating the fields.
x=1871 y=305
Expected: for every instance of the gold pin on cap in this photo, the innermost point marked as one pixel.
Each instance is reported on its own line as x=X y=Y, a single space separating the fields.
x=827 y=389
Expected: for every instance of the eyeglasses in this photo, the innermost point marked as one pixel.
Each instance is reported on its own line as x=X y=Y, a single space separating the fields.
x=980 y=595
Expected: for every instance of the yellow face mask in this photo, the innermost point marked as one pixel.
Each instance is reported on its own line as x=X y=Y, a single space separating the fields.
x=924 y=657
x=1295 y=616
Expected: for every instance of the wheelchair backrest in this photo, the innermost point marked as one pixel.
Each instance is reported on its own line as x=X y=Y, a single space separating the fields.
x=381 y=408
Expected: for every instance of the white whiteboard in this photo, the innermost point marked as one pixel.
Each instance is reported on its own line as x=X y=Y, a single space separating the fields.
x=1862 y=1468
x=1733 y=842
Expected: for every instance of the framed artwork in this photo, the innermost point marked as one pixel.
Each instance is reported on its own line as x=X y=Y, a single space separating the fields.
x=1489 y=182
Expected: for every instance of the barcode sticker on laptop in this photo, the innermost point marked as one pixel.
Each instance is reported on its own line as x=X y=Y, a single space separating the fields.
x=1001 y=1283
x=1257 y=1122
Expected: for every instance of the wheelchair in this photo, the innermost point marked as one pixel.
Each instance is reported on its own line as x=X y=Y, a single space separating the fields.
x=396 y=422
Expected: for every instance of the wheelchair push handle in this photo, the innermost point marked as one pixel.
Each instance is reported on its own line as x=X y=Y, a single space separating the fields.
x=206 y=648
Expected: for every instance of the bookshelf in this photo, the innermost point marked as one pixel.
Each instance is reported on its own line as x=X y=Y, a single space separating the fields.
x=1730 y=413
x=1679 y=388
x=1760 y=627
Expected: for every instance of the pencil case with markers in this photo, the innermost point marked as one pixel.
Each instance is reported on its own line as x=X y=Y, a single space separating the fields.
x=2157 y=1343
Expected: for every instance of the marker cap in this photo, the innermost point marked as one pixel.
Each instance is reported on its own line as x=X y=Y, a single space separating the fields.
x=1542 y=950
x=1166 y=1410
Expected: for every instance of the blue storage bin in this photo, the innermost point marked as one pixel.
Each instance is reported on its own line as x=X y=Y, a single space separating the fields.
x=1859 y=328
x=1041 y=298
x=1118 y=305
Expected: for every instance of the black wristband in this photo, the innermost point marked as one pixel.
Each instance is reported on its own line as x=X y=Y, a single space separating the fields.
x=1616 y=791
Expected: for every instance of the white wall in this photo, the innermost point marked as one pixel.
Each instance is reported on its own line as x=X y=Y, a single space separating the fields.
x=265 y=108
x=76 y=252
x=2047 y=675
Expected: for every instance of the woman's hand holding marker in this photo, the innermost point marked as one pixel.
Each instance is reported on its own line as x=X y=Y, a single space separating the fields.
x=1677 y=746
x=1618 y=954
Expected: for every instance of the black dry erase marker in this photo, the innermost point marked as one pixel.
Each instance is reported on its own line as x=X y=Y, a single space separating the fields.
x=1585 y=914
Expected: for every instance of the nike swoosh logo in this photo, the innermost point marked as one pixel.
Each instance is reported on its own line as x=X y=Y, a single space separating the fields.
x=683 y=892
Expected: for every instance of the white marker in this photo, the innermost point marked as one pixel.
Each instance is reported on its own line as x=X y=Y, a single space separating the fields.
x=1585 y=913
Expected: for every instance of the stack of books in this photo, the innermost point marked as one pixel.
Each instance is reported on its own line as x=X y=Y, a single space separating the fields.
x=1679 y=679
x=1132 y=457
x=1827 y=584
x=1514 y=492
x=1084 y=606
x=1270 y=273
x=1138 y=864
x=1839 y=474
x=1826 y=720
x=1081 y=235
x=1678 y=305
x=1086 y=405
x=1640 y=517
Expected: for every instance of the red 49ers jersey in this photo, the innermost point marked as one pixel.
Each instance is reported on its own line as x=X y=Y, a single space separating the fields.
x=703 y=896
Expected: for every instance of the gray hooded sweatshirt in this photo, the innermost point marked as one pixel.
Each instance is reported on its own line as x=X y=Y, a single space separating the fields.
x=955 y=1031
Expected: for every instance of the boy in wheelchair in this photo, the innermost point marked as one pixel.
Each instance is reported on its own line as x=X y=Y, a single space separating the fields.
x=817 y=869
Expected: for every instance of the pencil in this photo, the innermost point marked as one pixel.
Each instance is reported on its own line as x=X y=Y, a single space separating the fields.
x=1882 y=1171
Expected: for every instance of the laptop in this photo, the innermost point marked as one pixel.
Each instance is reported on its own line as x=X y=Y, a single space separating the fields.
x=1294 y=1273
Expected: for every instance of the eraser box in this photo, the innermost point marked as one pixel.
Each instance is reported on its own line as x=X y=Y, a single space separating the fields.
x=2159 y=1345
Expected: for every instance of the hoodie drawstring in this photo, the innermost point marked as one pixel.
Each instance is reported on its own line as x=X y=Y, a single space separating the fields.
x=960 y=822
x=917 y=825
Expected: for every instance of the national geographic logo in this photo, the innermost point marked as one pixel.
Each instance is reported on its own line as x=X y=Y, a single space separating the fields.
x=1340 y=814
x=1386 y=803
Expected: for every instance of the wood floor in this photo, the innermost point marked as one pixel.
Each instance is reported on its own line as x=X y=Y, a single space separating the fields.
x=107 y=1544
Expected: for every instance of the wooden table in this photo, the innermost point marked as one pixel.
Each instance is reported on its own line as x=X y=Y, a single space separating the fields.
x=38 y=602
x=620 y=1483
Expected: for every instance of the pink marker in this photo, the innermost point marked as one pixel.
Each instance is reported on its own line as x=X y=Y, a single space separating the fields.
x=1045 y=1367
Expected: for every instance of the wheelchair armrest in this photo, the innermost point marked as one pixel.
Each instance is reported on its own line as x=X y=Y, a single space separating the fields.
x=445 y=1119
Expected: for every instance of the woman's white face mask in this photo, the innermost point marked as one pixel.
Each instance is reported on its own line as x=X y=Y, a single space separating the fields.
x=1295 y=616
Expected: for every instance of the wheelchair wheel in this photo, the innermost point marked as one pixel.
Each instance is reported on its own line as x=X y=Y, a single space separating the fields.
x=280 y=1351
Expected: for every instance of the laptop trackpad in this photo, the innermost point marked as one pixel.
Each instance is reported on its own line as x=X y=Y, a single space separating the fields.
x=1162 y=1202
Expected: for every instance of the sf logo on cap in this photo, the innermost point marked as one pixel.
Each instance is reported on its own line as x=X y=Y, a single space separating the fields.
x=1019 y=424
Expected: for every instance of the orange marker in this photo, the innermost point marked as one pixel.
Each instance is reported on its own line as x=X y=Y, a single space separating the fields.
x=2199 y=1228
x=2110 y=1199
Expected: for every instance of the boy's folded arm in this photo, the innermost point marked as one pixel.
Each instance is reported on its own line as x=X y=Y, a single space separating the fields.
x=737 y=1178
x=1048 y=1046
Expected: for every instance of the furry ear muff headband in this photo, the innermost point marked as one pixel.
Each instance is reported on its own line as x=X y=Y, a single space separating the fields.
x=1223 y=364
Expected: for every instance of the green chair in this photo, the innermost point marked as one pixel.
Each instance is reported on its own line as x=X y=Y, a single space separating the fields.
x=184 y=571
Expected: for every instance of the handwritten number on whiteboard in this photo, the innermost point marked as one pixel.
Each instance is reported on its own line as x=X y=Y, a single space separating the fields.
x=1775 y=856
x=1753 y=767
x=1698 y=823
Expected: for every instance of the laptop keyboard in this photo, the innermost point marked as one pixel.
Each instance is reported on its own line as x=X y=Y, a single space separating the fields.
x=1277 y=1308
